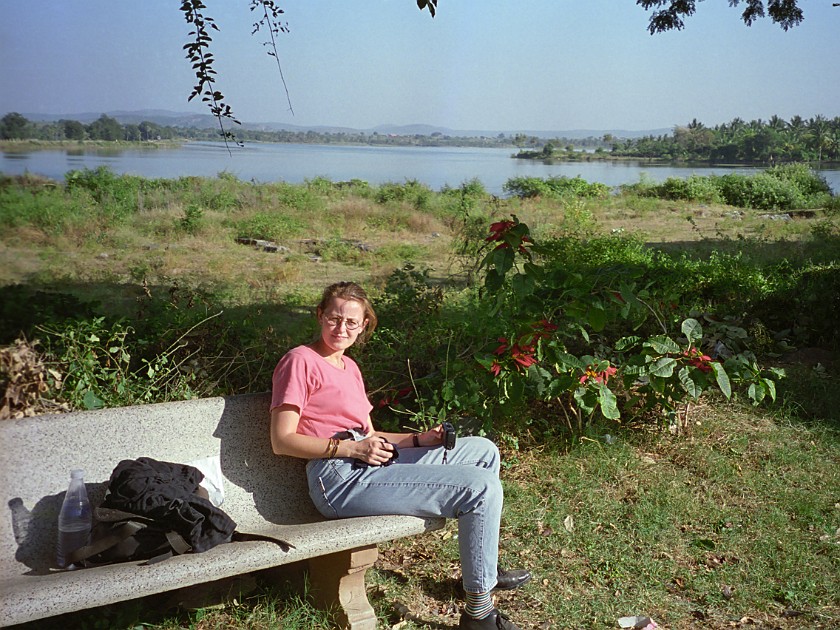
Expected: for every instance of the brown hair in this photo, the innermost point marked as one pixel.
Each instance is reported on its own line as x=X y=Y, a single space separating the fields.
x=351 y=291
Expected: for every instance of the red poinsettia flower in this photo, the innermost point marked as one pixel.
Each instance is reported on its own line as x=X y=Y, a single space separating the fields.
x=544 y=325
x=542 y=329
x=599 y=377
x=503 y=346
x=498 y=230
x=496 y=368
x=699 y=360
x=523 y=355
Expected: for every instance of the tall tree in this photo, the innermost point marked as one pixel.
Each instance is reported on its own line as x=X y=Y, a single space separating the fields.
x=73 y=129
x=105 y=128
x=13 y=126
x=817 y=134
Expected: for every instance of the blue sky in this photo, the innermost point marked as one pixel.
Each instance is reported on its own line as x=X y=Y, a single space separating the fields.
x=492 y=65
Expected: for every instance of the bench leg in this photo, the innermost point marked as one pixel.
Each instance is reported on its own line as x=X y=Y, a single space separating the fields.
x=339 y=579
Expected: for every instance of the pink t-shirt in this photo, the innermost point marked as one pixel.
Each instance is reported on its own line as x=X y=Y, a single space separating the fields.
x=330 y=399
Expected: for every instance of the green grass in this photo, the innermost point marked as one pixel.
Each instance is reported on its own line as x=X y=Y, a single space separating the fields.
x=663 y=526
x=738 y=519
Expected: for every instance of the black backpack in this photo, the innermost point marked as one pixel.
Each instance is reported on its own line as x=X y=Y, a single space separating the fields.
x=124 y=537
x=154 y=510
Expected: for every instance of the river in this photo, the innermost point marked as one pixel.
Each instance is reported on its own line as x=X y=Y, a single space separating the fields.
x=294 y=163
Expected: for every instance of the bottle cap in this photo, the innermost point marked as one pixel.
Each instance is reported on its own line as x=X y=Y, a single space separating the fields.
x=78 y=473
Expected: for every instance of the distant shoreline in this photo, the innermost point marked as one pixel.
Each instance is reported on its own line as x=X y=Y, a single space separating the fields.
x=15 y=146
x=34 y=145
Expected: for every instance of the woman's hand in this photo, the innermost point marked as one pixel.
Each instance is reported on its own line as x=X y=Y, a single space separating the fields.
x=375 y=450
x=432 y=437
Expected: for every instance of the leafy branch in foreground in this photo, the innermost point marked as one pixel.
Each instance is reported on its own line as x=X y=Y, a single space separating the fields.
x=202 y=60
x=199 y=54
x=271 y=21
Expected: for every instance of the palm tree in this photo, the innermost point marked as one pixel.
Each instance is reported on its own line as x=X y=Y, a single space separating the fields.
x=776 y=123
x=817 y=132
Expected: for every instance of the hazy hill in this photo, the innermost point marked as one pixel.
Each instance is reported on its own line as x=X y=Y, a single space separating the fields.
x=182 y=119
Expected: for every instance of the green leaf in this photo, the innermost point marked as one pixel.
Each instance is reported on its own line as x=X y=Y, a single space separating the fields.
x=523 y=285
x=722 y=379
x=634 y=370
x=608 y=404
x=694 y=390
x=779 y=373
x=662 y=344
x=597 y=318
x=692 y=329
x=567 y=361
x=494 y=281
x=625 y=343
x=533 y=270
x=583 y=333
x=584 y=399
x=538 y=378
x=516 y=391
x=503 y=260
x=663 y=367
x=771 y=388
x=92 y=401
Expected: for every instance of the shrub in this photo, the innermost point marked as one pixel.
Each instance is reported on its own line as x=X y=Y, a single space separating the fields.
x=693 y=188
x=803 y=177
x=192 y=220
x=526 y=187
x=297 y=197
x=762 y=192
x=413 y=192
x=117 y=195
x=273 y=226
x=49 y=210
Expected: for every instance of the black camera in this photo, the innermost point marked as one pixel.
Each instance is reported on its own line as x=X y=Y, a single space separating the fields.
x=448 y=436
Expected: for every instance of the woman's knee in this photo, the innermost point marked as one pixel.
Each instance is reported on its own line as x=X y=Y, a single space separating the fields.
x=485 y=452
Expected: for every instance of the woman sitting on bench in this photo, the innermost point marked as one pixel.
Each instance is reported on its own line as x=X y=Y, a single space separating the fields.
x=320 y=412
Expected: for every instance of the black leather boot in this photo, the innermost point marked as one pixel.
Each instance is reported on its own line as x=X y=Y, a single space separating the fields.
x=494 y=621
x=509 y=580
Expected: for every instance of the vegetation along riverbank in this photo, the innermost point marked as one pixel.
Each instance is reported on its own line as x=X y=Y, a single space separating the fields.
x=774 y=141
x=815 y=140
x=658 y=366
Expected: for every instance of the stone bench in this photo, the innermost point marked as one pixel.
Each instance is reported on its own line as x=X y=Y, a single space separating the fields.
x=264 y=494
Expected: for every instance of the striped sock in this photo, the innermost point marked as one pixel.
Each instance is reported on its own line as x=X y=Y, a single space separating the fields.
x=479 y=605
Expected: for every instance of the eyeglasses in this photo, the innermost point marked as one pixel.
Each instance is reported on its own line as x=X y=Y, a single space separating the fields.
x=349 y=324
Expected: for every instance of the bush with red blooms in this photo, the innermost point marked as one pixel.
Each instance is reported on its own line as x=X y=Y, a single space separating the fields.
x=656 y=375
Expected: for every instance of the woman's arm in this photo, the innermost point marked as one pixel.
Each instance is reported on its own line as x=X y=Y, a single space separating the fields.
x=285 y=440
x=432 y=437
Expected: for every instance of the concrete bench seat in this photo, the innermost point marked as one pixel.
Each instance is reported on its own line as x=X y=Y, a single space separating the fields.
x=264 y=494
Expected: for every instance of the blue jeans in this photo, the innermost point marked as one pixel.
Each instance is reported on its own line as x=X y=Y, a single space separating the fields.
x=418 y=483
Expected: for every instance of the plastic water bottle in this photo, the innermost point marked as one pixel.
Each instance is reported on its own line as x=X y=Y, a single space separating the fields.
x=74 y=520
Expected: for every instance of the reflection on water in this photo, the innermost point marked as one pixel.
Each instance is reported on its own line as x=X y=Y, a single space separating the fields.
x=295 y=163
